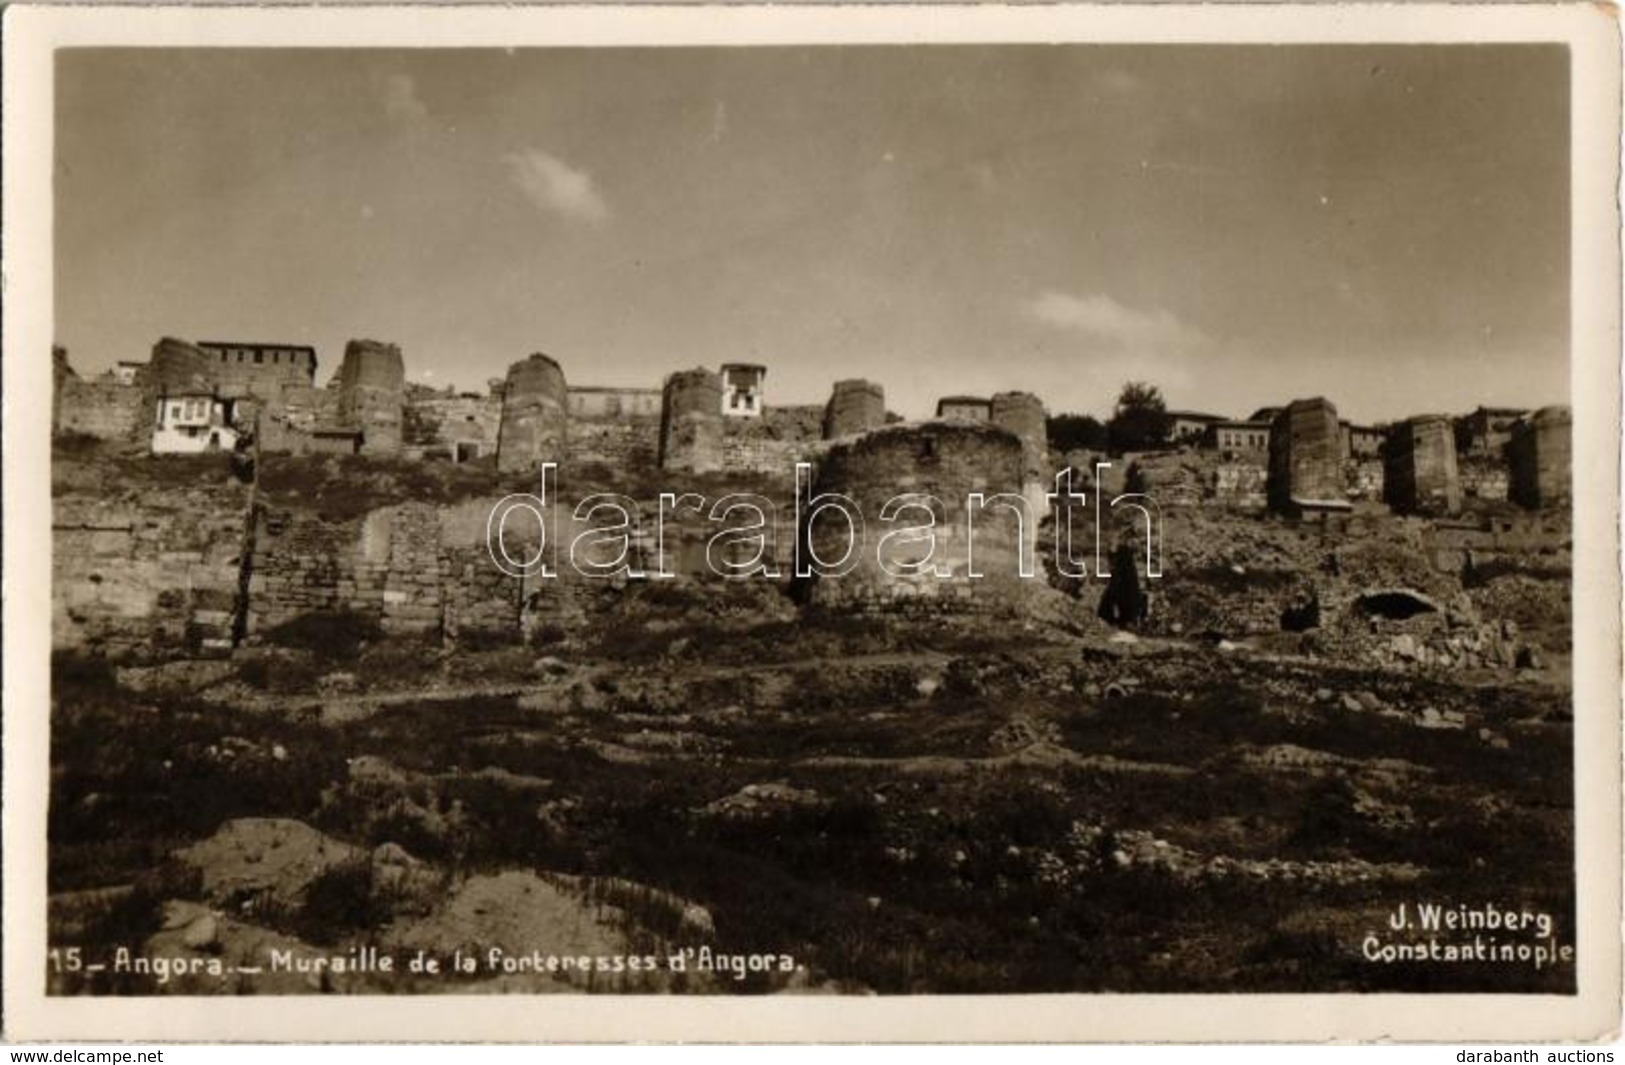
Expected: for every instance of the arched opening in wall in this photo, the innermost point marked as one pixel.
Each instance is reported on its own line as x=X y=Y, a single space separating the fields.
x=1395 y=604
x=1301 y=616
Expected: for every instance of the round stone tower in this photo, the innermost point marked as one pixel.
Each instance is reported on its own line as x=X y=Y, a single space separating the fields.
x=948 y=461
x=535 y=415
x=1022 y=413
x=691 y=422
x=856 y=406
x=372 y=394
x=178 y=366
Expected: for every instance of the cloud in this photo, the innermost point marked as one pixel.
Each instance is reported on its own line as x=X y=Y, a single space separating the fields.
x=555 y=187
x=399 y=94
x=1114 y=325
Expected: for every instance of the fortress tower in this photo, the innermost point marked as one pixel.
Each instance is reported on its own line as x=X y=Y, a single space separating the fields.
x=855 y=406
x=372 y=394
x=691 y=422
x=1540 y=455
x=535 y=415
x=1419 y=466
x=1306 y=456
x=947 y=461
x=1022 y=413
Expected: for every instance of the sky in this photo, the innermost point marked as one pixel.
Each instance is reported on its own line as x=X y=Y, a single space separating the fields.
x=1387 y=226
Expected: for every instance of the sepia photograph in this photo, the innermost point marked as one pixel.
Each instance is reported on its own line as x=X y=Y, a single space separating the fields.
x=859 y=520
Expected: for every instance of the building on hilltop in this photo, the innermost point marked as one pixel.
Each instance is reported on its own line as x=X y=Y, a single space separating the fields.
x=594 y=401
x=965 y=408
x=742 y=391
x=191 y=421
x=1236 y=438
x=1488 y=430
x=1190 y=427
x=252 y=368
x=1362 y=441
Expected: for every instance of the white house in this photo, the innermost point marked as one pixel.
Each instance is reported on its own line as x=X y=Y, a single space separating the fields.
x=742 y=389
x=192 y=423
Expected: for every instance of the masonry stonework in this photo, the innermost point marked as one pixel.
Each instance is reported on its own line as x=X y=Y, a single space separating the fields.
x=372 y=394
x=1022 y=413
x=1540 y=454
x=535 y=417
x=691 y=422
x=1420 y=466
x=1306 y=455
x=855 y=406
x=942 y=464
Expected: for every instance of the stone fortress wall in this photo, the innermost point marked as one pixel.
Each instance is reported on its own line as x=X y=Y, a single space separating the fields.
x=1428 y=464
x=208 y=571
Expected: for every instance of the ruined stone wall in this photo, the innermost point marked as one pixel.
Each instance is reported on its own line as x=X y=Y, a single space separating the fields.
x=440 y=425
x=1482 y=478
x=104 y=409
x=1420 y=466
x=691 y=429
x=1363 y=478
x=1306 y=455
x=855 y=406
x=415 y=578
x=148 y=574
x=414 y=568
x=304 y=565
x=535 y=422
x=1207 y=478
x=948 y=461
x=1540 y=454
x=1172 y=478
x=803 y=422
x=1242 y=485
x=372 y=394
x=386 y=567
x=772 y=444
x=631 y=441
x=760 y=453
x=287 y=420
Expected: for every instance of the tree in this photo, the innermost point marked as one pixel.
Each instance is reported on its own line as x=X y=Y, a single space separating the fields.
x=1140 y=419
x=1075 y=432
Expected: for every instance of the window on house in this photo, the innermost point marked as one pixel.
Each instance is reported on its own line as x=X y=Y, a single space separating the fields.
x=259 y=357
